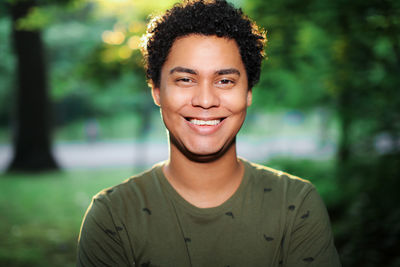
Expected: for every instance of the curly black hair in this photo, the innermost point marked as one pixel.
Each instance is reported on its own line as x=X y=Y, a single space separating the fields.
x=215 y=17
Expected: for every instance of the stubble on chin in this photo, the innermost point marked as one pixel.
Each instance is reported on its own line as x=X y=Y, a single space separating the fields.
x=200 y=158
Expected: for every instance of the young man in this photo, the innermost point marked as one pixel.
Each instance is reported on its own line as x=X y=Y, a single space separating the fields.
x=205 y=206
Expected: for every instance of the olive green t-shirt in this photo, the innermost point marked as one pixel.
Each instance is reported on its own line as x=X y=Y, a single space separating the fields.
x=273 y=219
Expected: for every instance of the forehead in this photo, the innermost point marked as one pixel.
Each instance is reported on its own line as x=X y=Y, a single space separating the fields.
x=203 y=52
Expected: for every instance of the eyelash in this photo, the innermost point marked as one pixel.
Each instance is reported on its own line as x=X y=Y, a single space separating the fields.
x=184 y=80
x=226 y=81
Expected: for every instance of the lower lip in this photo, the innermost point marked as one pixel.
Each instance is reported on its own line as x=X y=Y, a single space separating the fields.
x=205 y=129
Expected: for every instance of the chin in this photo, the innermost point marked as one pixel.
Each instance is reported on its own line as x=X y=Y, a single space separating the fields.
x=203 y=157
x=202 y=154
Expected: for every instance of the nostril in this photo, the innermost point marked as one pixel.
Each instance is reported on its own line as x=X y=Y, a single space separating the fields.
x=205 y=98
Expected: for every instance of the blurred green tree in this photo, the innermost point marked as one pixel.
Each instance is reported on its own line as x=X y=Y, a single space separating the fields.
x=345 y=56
x=102 y=61
x=32 y=141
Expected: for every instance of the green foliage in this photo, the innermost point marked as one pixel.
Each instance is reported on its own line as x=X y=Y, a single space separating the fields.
x=7 y=66
x=321 y=54
x=344 y=56
x=368 y=232
x=36 y=19
x=296 y=73
x=88 y=77
x=84 y=84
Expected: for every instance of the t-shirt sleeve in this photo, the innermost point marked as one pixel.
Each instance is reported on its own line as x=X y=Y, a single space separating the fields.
x=311 y=239
x=99 y=243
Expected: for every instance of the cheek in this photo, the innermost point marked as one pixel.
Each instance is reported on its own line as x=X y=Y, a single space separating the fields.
x=235 y=103
x=171 y=104
x=168 y=118
x=173 y=98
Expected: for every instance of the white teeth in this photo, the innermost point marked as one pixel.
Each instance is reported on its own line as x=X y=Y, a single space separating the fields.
x=201 y=122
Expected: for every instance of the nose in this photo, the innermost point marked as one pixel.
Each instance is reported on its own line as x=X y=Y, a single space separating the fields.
x=205 y=96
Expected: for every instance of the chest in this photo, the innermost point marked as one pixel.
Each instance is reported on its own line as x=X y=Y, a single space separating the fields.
x=245 y=235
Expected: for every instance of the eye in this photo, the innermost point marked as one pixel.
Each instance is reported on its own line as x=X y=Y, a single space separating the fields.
x=185 y=80
x=225 y=83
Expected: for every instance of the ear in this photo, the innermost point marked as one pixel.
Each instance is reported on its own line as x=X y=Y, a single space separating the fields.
x=249 y=97
x=155 y=93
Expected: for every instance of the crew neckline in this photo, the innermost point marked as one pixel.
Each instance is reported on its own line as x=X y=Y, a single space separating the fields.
x=186 y=205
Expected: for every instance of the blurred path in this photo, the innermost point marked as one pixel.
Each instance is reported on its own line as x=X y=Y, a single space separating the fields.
x=145 y=154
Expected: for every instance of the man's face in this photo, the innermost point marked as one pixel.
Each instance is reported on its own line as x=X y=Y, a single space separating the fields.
x=203 y=95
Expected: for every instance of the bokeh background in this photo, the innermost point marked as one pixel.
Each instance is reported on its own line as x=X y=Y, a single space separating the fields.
x=76 y=116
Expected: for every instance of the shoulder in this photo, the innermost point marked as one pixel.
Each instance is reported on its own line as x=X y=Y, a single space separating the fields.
x=133 y=190
x=264 y=175
x=113 y=218
x=281 y=187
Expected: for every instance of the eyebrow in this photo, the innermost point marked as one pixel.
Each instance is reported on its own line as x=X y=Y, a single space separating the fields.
x=218 y=72
x=228 y=71
x=182 y=69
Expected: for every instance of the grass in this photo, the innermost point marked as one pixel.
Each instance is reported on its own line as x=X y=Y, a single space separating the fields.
x=41 y=214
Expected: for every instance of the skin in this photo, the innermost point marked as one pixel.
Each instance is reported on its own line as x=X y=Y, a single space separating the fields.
x=203 y=97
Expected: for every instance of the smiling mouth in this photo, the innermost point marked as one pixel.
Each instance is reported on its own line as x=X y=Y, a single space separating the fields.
x=205 y=122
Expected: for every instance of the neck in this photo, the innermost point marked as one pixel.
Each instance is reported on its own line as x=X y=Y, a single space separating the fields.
x=204 y=184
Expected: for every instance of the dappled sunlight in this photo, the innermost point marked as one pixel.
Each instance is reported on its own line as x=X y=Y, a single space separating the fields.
x=134 y=42
x=113 y=38
x=131 y=19
x=121 y=41
x=125 y=10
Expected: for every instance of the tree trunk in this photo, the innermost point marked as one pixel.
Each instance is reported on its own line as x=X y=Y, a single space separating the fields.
x=344 y=107
x=345 y=104
x=31 y=133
